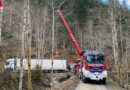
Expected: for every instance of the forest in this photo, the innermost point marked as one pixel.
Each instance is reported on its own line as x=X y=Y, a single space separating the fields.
x=95 y=24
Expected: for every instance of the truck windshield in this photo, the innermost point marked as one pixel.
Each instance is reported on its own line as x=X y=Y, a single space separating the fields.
x=7 y=63
x=95 y=59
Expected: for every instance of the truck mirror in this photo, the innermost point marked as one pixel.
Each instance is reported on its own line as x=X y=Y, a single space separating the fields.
x=107 y=59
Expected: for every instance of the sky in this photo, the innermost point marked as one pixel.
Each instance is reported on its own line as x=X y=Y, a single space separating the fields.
x=121 y=2
x=128 y=2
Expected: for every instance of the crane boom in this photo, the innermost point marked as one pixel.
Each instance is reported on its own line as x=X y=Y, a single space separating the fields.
x=70 y=33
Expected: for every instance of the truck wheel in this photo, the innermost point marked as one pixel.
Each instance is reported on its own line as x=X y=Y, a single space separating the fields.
x=87 y=80
x=83 y=80
x=104 y=81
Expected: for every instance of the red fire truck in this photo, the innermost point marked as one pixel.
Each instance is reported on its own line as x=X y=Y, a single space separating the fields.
x=92 y=64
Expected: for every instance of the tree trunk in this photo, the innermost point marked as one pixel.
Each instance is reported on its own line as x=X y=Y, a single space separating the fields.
x=29 y=32
x=115 y=47
x=1 y=18
x=53 y=44
x=23 y=47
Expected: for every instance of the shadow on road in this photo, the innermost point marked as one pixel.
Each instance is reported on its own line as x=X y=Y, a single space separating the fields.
x=94 y=82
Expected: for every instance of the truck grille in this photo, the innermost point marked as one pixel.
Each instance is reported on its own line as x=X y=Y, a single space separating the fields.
x=96 y=68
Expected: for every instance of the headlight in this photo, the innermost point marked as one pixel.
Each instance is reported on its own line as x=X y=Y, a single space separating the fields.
x=87 y=72
x=105 y=73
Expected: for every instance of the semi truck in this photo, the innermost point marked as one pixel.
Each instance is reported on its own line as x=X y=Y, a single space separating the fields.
x=92 y=64
x=58 y=64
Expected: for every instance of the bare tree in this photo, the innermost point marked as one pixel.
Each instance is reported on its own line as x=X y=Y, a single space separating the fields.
x=1 y=15
x=23 y=43
x=113 y=24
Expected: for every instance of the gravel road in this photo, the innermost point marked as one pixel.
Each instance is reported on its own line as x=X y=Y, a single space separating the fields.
x=90 y=86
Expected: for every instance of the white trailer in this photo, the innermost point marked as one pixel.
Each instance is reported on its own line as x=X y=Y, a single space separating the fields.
x=58 y=64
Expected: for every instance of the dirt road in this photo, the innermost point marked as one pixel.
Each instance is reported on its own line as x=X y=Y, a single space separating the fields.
x=90 y=86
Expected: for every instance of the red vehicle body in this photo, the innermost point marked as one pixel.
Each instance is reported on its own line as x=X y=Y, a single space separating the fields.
x=92 y=64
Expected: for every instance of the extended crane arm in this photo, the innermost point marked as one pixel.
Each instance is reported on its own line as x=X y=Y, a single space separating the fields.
x=70 y=33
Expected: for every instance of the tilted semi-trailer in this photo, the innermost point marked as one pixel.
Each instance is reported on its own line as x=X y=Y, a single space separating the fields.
x=58 y=64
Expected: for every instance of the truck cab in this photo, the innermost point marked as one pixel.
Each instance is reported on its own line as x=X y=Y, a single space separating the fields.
x=10 y=64
x=93 y=67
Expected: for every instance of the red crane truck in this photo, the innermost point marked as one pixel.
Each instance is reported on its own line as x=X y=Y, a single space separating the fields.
x=93 y=63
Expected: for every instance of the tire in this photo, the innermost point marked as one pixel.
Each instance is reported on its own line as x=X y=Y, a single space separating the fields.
x=104 y=81
x=83 y=80
x=87 y=80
